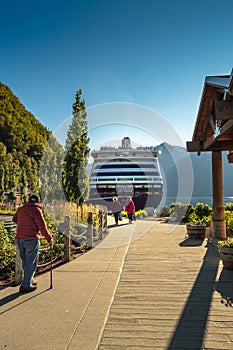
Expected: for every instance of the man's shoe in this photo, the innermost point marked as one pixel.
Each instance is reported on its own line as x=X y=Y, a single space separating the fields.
x=34 y=283
x=27 y=289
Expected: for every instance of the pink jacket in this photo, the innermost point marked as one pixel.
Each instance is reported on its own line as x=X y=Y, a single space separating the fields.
x=30 y=222
x=130 y=207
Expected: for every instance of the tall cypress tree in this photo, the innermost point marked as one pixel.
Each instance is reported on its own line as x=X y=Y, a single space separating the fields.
x=75 y=176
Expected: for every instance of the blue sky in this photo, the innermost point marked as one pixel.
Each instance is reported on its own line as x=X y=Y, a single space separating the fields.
x=152 y=53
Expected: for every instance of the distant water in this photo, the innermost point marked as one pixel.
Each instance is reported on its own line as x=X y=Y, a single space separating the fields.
x=194 y=200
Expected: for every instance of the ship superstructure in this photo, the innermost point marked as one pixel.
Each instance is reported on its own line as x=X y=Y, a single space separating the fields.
x=126 y=171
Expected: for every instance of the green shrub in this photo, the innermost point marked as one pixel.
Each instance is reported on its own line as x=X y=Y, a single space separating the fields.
x=58 y=244
x=7 y=250
x=181 y=211
x=229 y=222
x=201 y=214
x=202 y=209
x=229 y=206
x=7 y=211
x=228 y=243
x=141 y=213
x=197 y=220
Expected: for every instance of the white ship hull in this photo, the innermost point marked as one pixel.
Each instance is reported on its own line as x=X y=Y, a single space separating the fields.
x=126 y=171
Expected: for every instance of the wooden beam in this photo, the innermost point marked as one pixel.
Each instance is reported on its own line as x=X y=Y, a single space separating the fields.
x=212 y=124
x=219 y=145
x=226 y=127
x=223 y=109
x=193 y=146
x=224 y=145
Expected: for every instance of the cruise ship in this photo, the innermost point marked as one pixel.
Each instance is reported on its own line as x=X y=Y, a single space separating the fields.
x=126 y=171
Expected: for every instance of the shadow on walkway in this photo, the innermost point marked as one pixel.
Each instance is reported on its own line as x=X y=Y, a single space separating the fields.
x=119 y=225
x=16 y=295
x=191 y=242
x=191 y=327
x=224 y=287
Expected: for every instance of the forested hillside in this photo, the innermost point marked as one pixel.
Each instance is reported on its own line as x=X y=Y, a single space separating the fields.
x=23 y=142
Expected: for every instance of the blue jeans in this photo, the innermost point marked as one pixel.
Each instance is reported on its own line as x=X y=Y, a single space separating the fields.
x=29 y=254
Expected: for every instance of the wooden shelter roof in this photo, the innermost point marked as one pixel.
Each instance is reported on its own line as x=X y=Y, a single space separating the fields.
x=214 y=124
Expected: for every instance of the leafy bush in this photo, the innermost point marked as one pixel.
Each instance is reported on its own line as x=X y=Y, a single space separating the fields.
x=229 y=222
x=181 y=211
x=197 y=220
x=58 y=245
x=7 y=250
x=202 y=209
x=228 y=243
x=201 y=214
x=229 y=206
x=141 y=213
x=7 y=211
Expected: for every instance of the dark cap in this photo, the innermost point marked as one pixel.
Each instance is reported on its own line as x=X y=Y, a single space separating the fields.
x=34 y=198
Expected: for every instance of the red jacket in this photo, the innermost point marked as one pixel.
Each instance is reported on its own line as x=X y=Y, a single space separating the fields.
x=130 y=207
x=30 y=222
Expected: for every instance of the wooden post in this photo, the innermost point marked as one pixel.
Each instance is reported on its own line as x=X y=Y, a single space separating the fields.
x=90 y=231
x=66 y=234
x=218 y=216
x=18 y=267
x=106 y=229
x=101 y=224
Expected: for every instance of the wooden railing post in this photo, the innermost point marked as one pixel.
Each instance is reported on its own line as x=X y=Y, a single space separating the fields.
x=18 y=267
x=66 y=238
x=106 y=229
x=101 y=224
x=90 y=231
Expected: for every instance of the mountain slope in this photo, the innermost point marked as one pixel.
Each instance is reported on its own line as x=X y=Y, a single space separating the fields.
x=23 y=140
x=174 y=157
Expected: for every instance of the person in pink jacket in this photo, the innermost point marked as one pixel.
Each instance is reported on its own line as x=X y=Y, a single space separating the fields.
x=130 y=208
x=30 y=226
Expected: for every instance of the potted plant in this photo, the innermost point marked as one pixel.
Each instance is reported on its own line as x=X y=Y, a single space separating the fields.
x=225 y=249
x=198 y=220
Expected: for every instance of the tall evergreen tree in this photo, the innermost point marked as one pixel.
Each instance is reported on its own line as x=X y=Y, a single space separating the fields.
x=75 y=176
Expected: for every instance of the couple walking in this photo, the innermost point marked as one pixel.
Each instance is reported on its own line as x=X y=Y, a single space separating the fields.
x=117 y=208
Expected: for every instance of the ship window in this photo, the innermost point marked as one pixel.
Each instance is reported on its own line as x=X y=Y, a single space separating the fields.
x=123 y=173
x=120 y=166
x=106 y=179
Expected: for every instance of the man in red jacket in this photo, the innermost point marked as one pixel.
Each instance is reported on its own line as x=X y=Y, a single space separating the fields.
x=30 y=225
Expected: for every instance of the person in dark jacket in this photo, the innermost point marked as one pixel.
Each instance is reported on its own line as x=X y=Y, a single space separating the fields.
x=30 y=226
x=116 y=209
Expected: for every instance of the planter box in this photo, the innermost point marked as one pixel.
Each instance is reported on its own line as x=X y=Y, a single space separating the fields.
x=196 y=231
x=226 y=254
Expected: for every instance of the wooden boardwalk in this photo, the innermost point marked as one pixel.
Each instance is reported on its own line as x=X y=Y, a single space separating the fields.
x=172 y=294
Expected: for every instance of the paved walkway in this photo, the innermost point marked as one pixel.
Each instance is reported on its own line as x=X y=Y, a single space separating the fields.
x=144 y=287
